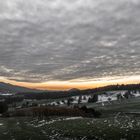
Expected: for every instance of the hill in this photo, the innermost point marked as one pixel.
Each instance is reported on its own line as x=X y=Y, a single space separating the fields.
x=9 y=88
x=77 y=92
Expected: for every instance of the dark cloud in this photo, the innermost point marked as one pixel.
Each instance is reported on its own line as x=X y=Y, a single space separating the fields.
x=48 y=40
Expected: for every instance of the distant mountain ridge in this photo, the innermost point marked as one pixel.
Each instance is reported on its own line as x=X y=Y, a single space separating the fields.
x=9 y=88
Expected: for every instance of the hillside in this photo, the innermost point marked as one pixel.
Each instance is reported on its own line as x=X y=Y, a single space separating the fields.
x=6 y=87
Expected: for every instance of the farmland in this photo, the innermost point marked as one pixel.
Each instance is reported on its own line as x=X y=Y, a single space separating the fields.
x=120 y=121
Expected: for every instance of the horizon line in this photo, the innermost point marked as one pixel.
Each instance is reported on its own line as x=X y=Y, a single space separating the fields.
x=77 y=83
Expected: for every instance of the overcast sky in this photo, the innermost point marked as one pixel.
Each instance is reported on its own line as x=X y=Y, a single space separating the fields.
x=62 y=40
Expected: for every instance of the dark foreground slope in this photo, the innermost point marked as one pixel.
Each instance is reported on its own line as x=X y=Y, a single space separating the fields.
x=113 y=128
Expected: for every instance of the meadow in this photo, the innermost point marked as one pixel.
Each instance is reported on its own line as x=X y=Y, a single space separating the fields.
x=118 y=122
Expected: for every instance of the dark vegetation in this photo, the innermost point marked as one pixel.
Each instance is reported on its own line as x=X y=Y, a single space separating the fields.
x=65 y=94
x=3 y=107
x=54 y=111
x=93 y=99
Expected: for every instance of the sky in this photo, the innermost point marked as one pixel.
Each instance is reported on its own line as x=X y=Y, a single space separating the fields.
x=60 y=44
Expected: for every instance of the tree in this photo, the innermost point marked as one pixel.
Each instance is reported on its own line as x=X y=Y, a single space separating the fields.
x=128 y=95
x=93 y=99
x=3 y=107
x=79 y=100
x=69 y=101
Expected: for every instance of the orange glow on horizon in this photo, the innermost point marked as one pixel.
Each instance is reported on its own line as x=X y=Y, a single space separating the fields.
x=66 y=85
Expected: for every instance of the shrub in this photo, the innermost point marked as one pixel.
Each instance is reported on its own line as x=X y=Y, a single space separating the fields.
x=3 y=107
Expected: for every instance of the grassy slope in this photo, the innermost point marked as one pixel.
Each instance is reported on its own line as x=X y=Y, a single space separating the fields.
x=86 y=128
x=108 y=128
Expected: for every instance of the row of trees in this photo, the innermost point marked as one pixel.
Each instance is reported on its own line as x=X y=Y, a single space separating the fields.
x=127 y=95
x=92 y=99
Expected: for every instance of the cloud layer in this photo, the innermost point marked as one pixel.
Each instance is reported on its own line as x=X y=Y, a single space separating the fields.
x=46 y=40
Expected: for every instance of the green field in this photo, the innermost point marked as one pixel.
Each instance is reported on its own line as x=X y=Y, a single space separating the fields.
x=116 y=123
x=113 y=128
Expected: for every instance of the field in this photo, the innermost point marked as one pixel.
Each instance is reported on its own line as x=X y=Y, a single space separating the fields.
x=119 y=122
x=113 y=128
